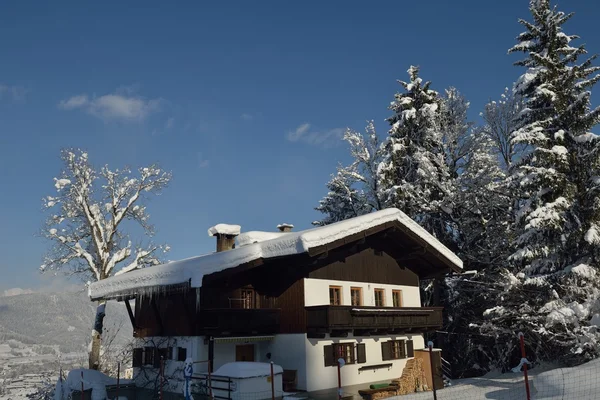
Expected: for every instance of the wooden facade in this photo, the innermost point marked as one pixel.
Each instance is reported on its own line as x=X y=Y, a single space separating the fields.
x=268 y=296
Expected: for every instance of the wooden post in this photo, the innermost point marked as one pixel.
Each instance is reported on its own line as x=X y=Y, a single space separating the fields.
x=211 y=353
x=81 y=385
x=272 y=383
x=430 y=345
x=523 y=358
x=210 y=392
x=339 y=371
x=162 y=373
x=118 y=378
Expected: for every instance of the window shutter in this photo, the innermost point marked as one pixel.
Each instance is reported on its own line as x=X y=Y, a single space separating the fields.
x=137 y=357
x=386 y=351
x=169 y=353
x=156 y=358
x=361 y=353
x=329 y=355
x=410 y=350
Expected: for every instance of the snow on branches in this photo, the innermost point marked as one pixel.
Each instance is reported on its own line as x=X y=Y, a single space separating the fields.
x=88 y=214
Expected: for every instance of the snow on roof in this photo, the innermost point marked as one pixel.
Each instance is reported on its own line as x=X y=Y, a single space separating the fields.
x=284 y=225
x=193 y=269
x=247 y=369
x=224 y=229
x=258 y=236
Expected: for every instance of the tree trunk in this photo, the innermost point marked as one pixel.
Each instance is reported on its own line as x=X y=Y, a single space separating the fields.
x=94 y=359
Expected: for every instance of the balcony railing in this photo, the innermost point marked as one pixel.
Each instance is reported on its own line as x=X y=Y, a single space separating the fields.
x=325 y=319
x=239 y=321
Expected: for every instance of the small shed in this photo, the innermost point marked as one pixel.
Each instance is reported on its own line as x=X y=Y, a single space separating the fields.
x=244 y=379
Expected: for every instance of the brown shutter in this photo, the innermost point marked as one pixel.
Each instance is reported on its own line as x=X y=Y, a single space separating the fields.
x=361 y=353
x=181 y=353
x=386 y=351
x=329 y=355
x=410 y=350
x=137 y=357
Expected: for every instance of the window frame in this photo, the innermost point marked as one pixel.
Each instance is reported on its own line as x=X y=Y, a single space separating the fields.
x=340 y=298
x=360 y=296
x=382 y=291
x=346 y=351
x=397 y=292
x=397 y=349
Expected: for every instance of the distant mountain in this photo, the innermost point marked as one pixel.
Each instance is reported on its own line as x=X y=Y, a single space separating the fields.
x=63 y=319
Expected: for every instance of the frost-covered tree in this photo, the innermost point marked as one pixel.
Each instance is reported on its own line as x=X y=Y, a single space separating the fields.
x=414 y=173
x=553 y=288
x=456 y=130
x=343 y=200
x=87 y=224
x=355 y=189
x=500 y=119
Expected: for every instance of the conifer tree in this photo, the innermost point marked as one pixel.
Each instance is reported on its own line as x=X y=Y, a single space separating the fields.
x=551 y=290
x=414 y=173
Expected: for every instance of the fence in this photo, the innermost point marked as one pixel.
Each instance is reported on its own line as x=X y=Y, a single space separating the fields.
x=523 y=383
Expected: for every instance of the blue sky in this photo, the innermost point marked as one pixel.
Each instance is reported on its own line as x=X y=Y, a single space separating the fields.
x=212 y=92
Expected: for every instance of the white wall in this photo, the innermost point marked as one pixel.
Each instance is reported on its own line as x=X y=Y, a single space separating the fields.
x=289 y=351
x=316 y=292
x=321 y=377
x=173 y=368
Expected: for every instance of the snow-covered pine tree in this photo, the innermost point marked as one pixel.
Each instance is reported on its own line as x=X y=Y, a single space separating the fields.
x=414 y=174
x=355 y=190
x=553 y=289
x=86 y=225
x=344 y=200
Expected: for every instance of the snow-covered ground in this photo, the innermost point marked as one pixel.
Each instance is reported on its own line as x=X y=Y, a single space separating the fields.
x=579 y=383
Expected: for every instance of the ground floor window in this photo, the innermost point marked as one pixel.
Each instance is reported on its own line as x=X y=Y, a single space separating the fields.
x=396 y=349
x=351 y=353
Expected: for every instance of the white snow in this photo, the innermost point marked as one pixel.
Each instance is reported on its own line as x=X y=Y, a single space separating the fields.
x=258 y=236
x=284 y=225
x=246 y=369
x=193 y=269
x=557 y=384
x=91 y=379
x=224 y=229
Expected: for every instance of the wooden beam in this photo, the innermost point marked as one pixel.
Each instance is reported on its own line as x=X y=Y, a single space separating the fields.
x=161 y=328
x=131 y=316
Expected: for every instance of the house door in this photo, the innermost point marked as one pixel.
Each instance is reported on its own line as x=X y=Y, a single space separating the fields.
x=244 y=352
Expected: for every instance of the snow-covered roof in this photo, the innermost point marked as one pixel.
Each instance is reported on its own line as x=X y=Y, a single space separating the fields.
x=247 y=369
x=258 y=236
x=192 y=270
x=224 y=229
x=284 y=225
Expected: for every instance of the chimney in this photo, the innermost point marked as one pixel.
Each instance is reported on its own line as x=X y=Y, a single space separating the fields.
x=225 y=236
x=285 y=227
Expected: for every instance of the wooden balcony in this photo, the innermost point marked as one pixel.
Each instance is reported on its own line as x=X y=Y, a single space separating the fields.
x=340 y=320
x=239 y=321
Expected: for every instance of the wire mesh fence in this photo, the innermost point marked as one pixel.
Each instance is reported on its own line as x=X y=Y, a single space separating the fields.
x=581 y=382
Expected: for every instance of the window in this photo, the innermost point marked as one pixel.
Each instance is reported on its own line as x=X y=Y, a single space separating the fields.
x=137 y=357
x=356 y=296
x=379 y=297
x=181 y=353
x=148 y=355
x=351 y=353
x=335 y=295
x=397 y=298
x=397 y=349
x=247 y=298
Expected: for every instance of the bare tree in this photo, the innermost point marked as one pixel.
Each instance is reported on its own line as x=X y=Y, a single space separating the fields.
x=500 y=122
x=86 y=225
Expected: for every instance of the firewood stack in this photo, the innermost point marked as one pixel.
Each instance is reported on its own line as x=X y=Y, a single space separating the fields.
x=413 y=378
